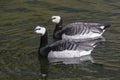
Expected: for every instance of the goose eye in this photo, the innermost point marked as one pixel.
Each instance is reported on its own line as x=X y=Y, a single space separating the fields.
x=53 y=18
x=39 y=29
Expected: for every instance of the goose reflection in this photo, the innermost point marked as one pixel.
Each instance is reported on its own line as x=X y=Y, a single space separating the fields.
x=76 y=60
x=44 y=65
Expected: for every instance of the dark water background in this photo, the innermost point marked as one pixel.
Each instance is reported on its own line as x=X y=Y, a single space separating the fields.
x=18 y=43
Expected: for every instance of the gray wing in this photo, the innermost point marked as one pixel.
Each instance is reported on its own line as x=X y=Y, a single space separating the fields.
x=82 y=28
x=69 y=45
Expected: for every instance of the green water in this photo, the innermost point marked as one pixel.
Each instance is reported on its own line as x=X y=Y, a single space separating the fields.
x=18 y=43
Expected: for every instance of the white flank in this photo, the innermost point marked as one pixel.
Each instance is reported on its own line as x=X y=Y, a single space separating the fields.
x=79 y=36
x=68 y=54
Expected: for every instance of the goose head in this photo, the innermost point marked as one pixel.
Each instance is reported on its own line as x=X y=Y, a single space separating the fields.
x=40 y=30
x=55 y=19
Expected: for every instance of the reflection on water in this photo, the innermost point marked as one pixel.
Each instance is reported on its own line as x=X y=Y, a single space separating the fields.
x=76 y=60
x=44 y=65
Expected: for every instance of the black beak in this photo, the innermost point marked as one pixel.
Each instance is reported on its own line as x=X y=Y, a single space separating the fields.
x=50 y=20
x=34 y=31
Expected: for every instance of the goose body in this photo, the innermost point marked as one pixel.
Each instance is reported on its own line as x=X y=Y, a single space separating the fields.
x=77 y=30
x=62 y=48
x=66 y=49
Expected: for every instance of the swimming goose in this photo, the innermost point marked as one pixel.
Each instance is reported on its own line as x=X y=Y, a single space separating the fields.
x=77 y=30
x=61 y=48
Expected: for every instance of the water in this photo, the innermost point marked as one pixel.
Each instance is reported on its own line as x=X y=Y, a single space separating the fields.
x=18 y=43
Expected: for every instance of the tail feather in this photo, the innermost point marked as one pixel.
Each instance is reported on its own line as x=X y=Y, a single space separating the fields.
x=107 y=26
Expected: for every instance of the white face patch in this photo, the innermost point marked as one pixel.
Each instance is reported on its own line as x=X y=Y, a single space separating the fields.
x=56 y=19
x=40 y=30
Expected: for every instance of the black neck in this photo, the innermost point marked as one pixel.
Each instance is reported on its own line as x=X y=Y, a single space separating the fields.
x=57 y=28
x=60 y=23
x=44 y=40
x=43 y=48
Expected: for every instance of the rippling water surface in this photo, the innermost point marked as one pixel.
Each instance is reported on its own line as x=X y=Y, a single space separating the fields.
x=18 y=43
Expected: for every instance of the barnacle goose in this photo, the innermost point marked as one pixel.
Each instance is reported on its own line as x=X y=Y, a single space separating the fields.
x=62 y=48
x=77 y=30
